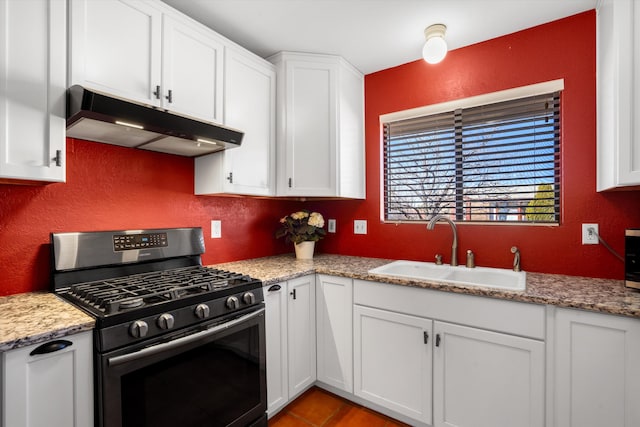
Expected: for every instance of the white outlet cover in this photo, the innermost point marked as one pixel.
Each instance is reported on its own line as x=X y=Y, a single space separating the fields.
x=360 y=226
x=331 y=226
x=587 y=237
x=216 y=229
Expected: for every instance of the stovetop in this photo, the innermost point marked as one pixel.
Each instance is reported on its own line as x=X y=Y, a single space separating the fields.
x=117 y=295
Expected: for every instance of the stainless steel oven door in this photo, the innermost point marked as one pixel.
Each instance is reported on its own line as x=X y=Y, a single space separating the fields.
x=210 y=375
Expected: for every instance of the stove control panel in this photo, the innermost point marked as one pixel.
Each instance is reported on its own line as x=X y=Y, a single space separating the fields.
x=125 y=242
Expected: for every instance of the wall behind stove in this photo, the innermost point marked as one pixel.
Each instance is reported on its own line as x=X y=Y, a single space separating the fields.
x=112 y=188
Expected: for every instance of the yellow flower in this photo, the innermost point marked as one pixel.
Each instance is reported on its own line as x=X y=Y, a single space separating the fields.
x=299 y=215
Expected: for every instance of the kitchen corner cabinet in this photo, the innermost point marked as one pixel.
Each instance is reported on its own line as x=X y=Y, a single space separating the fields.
x=334 y=317
x=249 y=105
x=291 y=340
x=148 y=53
x=597 y=374
x=618 y=94
x=320 y=138
x=32 y=99
x=43 y=388
x=393 y=357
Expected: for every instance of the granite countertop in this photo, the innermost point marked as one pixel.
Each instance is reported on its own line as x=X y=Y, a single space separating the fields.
x=36 y=317
x=602 y=295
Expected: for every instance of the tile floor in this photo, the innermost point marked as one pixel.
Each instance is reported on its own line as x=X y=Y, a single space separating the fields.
x=319 y=408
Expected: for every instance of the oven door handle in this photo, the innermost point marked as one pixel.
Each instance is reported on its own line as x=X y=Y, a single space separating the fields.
x=149 y=351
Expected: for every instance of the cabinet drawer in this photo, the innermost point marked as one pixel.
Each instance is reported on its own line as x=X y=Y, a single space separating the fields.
x=516 y=318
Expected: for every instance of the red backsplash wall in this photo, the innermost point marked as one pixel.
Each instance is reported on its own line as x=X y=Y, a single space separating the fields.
x=113 y=188
x=563 y=49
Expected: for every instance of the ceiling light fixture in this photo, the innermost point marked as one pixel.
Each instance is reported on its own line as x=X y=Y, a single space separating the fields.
x=435 y=47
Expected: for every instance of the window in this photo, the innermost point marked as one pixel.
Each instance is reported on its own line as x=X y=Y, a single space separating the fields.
x=497 y=162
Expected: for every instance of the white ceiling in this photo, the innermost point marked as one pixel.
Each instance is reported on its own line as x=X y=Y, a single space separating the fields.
x=371 y=34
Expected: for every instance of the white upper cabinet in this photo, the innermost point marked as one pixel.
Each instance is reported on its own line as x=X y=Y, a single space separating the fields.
x=148 y=53
x=192 y=69
x=115 y=48
x=320 y=138
x=249 y=105
x=618 y=94
x=32 y=90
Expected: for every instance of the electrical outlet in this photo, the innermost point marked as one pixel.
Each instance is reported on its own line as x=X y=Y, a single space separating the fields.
x=590 y=234
x=360 y=226
x=216 y=229
x=331 y=226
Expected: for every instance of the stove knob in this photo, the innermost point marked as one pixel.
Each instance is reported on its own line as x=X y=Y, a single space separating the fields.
x=202 y=311
x=249 y=298
x=139 y=329
x=233 y=303
x=165 y=321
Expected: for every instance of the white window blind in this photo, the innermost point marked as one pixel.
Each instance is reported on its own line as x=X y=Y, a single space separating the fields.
x=491 y=163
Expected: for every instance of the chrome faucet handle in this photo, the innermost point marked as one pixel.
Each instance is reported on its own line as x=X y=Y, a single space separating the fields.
x=471 y=262
x=516 y=258
x=438 y=259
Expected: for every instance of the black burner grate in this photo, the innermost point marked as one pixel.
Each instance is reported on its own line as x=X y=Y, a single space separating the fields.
x=130 y=292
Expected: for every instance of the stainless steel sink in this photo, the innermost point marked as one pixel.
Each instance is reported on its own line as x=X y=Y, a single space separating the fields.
x=479 y=276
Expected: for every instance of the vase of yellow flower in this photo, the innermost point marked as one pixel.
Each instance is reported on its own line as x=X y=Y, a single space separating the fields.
x=303 y=229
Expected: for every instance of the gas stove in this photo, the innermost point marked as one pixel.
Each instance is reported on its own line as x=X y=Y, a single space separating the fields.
x=141 y=284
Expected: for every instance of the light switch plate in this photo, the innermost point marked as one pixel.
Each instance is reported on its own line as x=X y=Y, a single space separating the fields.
x=216 y=229
x=331 y=226
x=360 y=226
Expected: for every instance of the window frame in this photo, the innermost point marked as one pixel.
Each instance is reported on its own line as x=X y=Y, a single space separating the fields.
x=465 y=103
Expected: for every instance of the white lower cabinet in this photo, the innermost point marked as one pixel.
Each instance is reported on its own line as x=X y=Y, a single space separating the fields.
x=49 y=384
x=334 y=317
x=487 y=379
x=597 y=370
x=301 y=321
x=393 y=356
x=291 y=340
x=275 y=299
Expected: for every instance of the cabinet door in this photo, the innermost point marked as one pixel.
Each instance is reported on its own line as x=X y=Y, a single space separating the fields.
x=32 y=90
x=334 y=317
x=192 y=70
x=52 y=389
x=597 y=370
x=487 y=379
x=392 y=361
x=302 y=334
x=116 y=48
x=249 y=105
x=618 y=94
x=275 y=299
x=309 y=135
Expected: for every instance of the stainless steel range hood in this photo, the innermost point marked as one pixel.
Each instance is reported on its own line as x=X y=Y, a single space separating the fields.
x=98 y=117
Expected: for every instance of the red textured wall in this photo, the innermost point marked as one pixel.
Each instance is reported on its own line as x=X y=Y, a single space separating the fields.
x=113 y=188
x=563 y=49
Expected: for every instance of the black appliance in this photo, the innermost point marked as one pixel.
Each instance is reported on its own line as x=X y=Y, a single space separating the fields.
x=176 y=343
x=632 y=258
x=99 y=117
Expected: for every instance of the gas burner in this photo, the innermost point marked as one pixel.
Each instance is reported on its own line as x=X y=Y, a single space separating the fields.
x=131 y=303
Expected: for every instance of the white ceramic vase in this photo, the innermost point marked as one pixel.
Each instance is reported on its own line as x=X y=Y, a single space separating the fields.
x=304 y=250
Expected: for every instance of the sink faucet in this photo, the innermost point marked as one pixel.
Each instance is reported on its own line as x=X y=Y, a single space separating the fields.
x=516 y=258
x=454 y=245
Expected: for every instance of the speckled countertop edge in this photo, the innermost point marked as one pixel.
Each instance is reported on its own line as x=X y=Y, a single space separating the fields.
x=600 y=295
x=36 y=317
